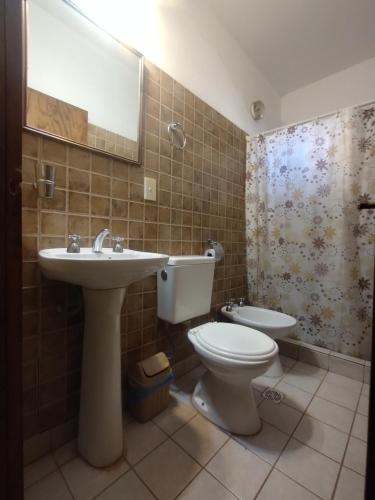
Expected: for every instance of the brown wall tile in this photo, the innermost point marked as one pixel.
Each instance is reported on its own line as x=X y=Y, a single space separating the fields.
x=79 y=203
x=79 y=180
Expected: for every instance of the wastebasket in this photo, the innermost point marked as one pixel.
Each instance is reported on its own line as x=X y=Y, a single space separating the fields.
x=148 y=384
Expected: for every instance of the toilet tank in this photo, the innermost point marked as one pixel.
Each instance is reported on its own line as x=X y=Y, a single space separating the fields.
x=185 y=287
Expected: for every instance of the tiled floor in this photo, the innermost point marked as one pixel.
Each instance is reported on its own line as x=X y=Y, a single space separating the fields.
x=312 y=446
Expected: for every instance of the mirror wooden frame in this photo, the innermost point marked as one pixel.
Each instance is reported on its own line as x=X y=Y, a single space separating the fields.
x=140 y=134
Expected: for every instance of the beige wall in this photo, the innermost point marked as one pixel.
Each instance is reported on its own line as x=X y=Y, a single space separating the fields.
x=186 y=39
x=354 y=85
x=200 y=195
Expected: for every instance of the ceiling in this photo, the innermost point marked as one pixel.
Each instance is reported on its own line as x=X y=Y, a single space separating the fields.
x=297 y=42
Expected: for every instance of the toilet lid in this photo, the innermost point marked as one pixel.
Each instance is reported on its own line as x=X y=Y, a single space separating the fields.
x=234 y=341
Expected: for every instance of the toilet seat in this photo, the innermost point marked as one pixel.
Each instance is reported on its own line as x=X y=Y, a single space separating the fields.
x=234 y=342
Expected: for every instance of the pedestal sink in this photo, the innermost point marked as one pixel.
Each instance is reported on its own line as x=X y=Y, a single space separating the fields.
x=104 y=277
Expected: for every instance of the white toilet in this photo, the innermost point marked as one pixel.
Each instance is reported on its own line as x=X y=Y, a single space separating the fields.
x=275 y=324
x=233 y=354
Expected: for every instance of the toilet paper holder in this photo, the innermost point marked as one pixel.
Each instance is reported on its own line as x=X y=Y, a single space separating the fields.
x=215 y=250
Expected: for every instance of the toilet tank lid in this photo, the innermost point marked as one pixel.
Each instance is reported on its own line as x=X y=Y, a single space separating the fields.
x=188 y=260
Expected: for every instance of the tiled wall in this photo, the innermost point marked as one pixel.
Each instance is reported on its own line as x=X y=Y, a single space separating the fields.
x=112 y=143
x=200 y=196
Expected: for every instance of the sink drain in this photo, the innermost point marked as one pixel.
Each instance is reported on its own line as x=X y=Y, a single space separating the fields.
x=272 y=395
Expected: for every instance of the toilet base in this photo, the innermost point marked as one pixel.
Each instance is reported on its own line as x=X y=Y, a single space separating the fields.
x=276 y=369
x=230 y=406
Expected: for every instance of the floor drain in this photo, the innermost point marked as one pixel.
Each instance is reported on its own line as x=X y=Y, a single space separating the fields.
x=272 y=395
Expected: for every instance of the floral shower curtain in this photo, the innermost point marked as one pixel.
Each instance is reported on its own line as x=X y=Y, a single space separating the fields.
x=310 y=251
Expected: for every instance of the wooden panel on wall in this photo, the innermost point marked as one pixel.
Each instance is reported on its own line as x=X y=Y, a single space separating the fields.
x=56 y=117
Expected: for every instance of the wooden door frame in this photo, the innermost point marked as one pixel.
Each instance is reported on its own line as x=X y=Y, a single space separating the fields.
x=11 y=434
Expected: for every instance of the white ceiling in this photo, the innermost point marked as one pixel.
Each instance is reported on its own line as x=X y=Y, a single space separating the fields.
x=297 y=42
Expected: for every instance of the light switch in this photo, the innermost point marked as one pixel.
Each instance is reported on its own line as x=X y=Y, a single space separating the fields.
x=150 y=189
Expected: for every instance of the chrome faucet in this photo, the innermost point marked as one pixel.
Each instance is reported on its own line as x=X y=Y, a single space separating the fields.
x=98 y=240
x=74 y=243
x=229 y=305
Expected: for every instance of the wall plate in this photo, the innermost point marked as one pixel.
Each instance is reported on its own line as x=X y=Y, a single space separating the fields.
x=149 y=189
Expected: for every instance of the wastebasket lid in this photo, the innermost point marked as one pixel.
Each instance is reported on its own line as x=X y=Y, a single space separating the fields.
x=155 y=364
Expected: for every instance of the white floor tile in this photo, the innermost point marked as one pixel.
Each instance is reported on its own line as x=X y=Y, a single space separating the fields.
x=280 y=487
x=200 y=438
x=322 y=437
x=188 y=382
x=206 y=487
x=338 y=394
x=239 y=470
x=65 y=453
x=140 y=439
x=360 y=427
x=305 y=377
x=331 y=414
x=184 y=398
x=262 y=382
x=305 y=382
x=351 y=486
x=167 y=470
x=128 y=487
x=305 y=470
x=287 y=362
x=363 y=405
x=85 y=481
x=311 y=469
x=185 y=383
x=267 y=444
x=345 y=382
x=307 y=369
x=279 y=415
x=38 y=469
x=294 y=397
x=355 y=456
x=366 y=390
x=175 y=416
x=52 y=487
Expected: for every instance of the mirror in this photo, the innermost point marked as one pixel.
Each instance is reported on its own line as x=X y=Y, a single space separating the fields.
x=82 y=85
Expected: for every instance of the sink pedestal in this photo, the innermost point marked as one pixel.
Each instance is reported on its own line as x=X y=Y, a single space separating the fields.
x=104 y=277
x=100 y=436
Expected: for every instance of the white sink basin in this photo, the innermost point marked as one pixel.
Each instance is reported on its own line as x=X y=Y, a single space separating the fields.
x=99 y=271
x=104 y=278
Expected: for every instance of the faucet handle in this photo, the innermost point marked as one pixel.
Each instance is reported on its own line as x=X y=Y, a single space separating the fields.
x=118 y=245
x=74 y=243
x=229 y=305
x=241 y=301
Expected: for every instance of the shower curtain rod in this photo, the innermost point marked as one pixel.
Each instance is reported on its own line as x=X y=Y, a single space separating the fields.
x=277 y=129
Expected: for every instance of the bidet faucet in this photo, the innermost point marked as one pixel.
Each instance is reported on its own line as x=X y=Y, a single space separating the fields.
x=98 y=240
x=229 y=305
x=241 y=301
